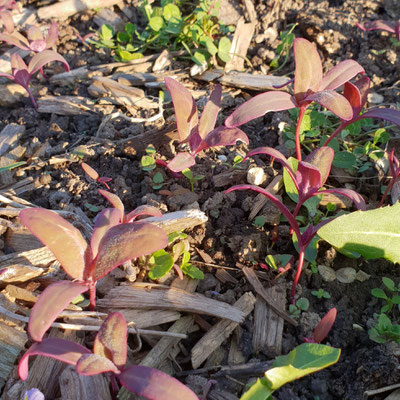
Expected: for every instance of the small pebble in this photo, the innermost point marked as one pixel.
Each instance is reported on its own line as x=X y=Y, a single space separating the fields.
x=328 y=274
x=222 y=158
x=346 y=275
x=375 y=98
x=256 y=176
x=362 y=276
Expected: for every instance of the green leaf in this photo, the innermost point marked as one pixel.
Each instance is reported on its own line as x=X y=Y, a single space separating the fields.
x=259 y=391
x=381 y=136
x=373 y=233
x=303 y=304
x=224 y=47
x=156 y=23
x=389 y=283
x=171 y=11
x=396 y=299
x=163 y=262
x=148 y=163
x=344 y=159
x=208 y=43
x=199 y=57
x=379 y=293
x=278 y=260
x=193 y=272
x=107 y=32
x=127 y=56
x=158 y=178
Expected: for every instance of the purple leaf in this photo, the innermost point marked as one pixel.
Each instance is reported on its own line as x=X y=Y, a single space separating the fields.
x=308 y=179
x=93 y=364
x=110 y=341
x=389 y=26
x=62 y=238
x=363 y=85
x=210 y=112
x=143 y=210
x=17 y=63
x=386 y=114
x=353 y=96
x=105 y=220
x=8 y=21
x=115 y=201
x=154 y=384
x=322 y=159
x=126 y=241
x=59 y=349
x=260 y=105
x=181 y=161
x=185 y=108
x=15 y=39
x=223 y=136
x=308 y=68
x=50 y=303
x=340 y=74
x=334 y=102
x=39 y=60
x=356 y=198
x=324 y=326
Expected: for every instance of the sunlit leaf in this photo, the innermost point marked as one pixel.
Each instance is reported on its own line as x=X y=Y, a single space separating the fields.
x=93 y=364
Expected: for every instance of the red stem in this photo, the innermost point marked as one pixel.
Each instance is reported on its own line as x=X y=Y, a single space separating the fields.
x=334 y=134
x=297 y=134
x=32 y=99
x=388 y=188
x=92 y=295
x=298 y=272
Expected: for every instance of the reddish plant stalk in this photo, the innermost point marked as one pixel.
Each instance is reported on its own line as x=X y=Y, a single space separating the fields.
x=298 y=271
x=92 y=295
x=342 y=125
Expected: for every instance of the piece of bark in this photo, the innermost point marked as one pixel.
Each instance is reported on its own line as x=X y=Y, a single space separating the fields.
x=17 y=293
x=240 y=44
x=220 y=394
x=235 y=356
x=119 y=94
x=187 y=284
x=228 y=178
x=252 y=82
x=138 y=79
x=19 y=239
x=394 y=395
x=12 y=342
x=27 y=17
x=224 y=276
x=220 y=331
x=75 y=75
x=151 y=296
x=268 y=327
x=147 y=318
x=64 y=9
x=11 y=94
x=249 y=4
x=9 y=137
x=21 y=186
x=68 y=105
x=109 y=17
x=259 y=288
x=274 y=187
x=157 y=137
x=75 y=386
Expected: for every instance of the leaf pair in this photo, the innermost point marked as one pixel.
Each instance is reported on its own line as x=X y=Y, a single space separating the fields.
x=200 y=133
x=310 y=85
x=112 y=244
x=109 y=355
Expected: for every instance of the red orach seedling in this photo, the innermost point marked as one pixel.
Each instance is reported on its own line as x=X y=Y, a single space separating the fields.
x=309 y=179
x=109 y=356
x=22 y=74
x=111 y=244
x=356 y=93
x=92 y=173
x=309 y=85
x=201 y=134
x=388 y=26
x=323 y=328
x=5 y=14
x=394 y=165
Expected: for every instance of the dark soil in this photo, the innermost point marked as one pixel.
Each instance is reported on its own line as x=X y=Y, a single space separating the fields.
x=228 y=237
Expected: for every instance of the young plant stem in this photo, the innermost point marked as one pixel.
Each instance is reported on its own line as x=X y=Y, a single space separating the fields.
x=297 y=134
x=334 y=134
x=298 y=271
x=92 y=295
x=388 y=188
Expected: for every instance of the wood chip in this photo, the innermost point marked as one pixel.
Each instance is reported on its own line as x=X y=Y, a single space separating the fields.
x=224 y=276
x=9 y=137
x=259 y=288
x=138 y=79
x=68 y=105
x=220 y=332
x=147 y=318
x=228 y=178
x=17 y=293
x=19 y=239
x=152 y=296
x=107 y=16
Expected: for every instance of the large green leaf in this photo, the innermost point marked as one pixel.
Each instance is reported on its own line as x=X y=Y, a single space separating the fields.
x=373 y=233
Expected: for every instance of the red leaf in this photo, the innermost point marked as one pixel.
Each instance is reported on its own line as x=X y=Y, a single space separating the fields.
x=50 y=303
x=181 y=161
x=322 y=158
x=90 y=171
x=126 y=241
x=143 y=210
x=110 y=341
x=59 y=349
x=340 y=74
x=260 y=105
x=185 y=108
x=322 y=329
x=223 y=136
x=210 y=112
x=308 y=68
x=334 y=102
x=39 y=60
x=115 y=201
x=15 y=39
x=386 y=114
x=154 y=384
x=58 y=235
x=363 y=85
x=93 y=364
x=308 y=179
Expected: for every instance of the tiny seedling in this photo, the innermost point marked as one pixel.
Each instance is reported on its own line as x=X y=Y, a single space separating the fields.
x=321 y=294
x=390 y=301
x=384 y=330
x=283 y=48
x=279 y=262
x=200 y=133
x=109 y=356
x=6 y=17
x=158 y=181
x=148 y=162
x=187 y=173
x=302 y=304
x=92 y=173
x=22 y=73
x=323 y=328
x=112 y=243
x=310 y=85
x=303 y=360
x=308 y=181
x=381 y=25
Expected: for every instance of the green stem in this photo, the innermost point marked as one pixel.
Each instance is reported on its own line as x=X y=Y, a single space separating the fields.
x=298 y=127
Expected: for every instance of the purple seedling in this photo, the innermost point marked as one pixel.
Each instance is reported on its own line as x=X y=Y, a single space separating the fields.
x=22 y=74
x=309 y=179
x=394 y=165
x=112 y=243
x=109 y=356
x=356 y=93
x=310 y=85
x=200 y=133
x=323 y=328
x=92 y=173
x=5 y=14
x=388 y=26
